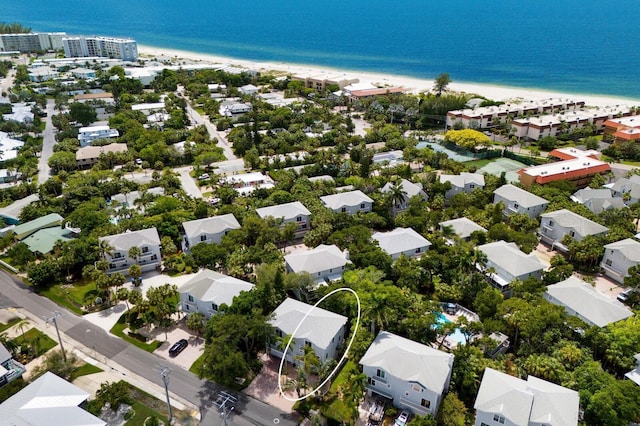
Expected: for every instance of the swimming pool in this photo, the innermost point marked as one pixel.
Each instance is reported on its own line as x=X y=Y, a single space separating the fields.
x=457 y=336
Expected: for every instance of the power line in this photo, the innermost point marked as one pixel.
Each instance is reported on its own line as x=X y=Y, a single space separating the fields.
x=57 y=314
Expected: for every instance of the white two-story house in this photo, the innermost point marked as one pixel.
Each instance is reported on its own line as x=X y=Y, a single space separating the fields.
x=324 y=263
x=409 y=189
x=207 y=290
x=322 y=330
x=412 y=375
x=555 y=225
x=294 y=212
x=464 y=182
x=402 y=241
x=209 y=230
x=350 y=202
x=147 y=240
x=518 y=201
x=619 y=257
x=506 y=400
x=506 y=263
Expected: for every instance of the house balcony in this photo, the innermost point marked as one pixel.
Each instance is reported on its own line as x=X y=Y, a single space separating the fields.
x=416 y=408
x=14 y=370
x=512 y=209
x=384 y=391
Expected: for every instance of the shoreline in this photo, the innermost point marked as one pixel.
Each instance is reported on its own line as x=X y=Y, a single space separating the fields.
x=412 y=84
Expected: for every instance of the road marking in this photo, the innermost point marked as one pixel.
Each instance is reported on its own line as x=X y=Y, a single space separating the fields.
x=344 y=355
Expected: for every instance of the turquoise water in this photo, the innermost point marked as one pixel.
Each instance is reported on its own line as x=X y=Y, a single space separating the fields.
x=457 y=336
x=584 y=46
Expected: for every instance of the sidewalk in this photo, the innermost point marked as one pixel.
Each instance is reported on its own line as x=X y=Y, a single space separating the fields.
x=111 y=372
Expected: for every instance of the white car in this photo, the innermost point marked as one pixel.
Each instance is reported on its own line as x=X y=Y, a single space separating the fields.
x=403 y=418
x=204 y=176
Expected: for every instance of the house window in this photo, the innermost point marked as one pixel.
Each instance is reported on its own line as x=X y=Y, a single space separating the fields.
x=608 y=262
x=343 y=210
x=418 y=250
x=307 y=343
x=279 y=333
x=362 y=206
x=417 y=387
x=190 y=298
x=572 y=233
x=203 y=238
x=515 y=205
x=145 y=249
x=483 y=424
x=304 y=226
x=299 y=219
x=425 y=403
x=380 y=373
x=498 y=418
x=550 y=224
x=187 y=307
x=214 y=307
x=371 y=381
x=117 y=255
x=154 y=257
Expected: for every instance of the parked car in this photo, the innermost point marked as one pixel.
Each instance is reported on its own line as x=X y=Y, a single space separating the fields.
x=204 y=176
x=178 y=347
x=403 y=418
x=626 y=294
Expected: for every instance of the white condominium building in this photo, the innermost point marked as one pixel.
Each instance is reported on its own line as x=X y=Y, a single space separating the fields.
x=107 y=47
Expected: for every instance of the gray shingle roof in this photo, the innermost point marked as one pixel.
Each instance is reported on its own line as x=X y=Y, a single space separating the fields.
x=211 y=286
x=409 y=360
x=582 y=298
x=582 y=225
x=400 y=240
x=321 y=258
x=520 y=196
x=210 y=225
x=351 y=199
x=629 y=185
x=48 y=401
x=629 y=247
x=462 y=179
x=287 y=211
x=462 y=227
x=319 y=327
x=410 y=188
x=126 y=240
x=510 y=258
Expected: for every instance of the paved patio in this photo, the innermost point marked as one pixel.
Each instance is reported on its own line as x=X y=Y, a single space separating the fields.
x=265 y=386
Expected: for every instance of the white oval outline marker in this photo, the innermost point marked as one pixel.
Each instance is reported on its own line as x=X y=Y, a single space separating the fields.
x=344 y=355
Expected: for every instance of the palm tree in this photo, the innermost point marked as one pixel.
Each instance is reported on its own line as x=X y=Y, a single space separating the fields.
x=104 y=249
x=397 y=196
x=123 y=296
x=134 y=253
x=10 y=344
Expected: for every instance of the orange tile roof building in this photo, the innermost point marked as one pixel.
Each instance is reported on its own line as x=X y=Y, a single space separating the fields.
x=576 y=166
x=623 y=129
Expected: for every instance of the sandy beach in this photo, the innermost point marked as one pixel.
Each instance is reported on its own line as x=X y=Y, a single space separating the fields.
x=413 y=85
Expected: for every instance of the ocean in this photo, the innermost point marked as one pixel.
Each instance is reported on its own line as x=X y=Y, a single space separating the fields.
x=586 y=46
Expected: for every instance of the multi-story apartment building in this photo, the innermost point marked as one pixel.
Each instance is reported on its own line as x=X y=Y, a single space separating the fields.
x=31 y=42
x=106 y=47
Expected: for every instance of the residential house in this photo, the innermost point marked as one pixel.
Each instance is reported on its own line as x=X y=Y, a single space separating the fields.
x=87 y=135
x=402 y=241
x=507 y=400
x=324 y=263
x=41 y=234
x=248 y=89
x=48 y=401
x=462 y=227
x=628 y=189
x=634 y=375
x=294 y=212
x=598 y=200
x=87 y=156
x=581 y=300
x=506 y=263
x=209 y=230
x=464 y=182
x=409 y=190
x=83 y=73
x=208 y=290
x=9 y=147
x=555 y=225
x=147 y=240
x=412 y=375
x=619 y=257
x=350 y=202
x=517 y=200
x=321 y=330
x=246 y=183
x=21 y=113
x=50 y=220
x=10 y=369
x=234 y=109
x=137 y=199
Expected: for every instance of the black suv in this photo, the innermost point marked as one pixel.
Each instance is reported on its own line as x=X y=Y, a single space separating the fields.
x=178 y=347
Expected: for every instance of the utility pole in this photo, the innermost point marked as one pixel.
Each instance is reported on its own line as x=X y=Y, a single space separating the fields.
x=52 y=319
x=226 y=402
x=165 y=378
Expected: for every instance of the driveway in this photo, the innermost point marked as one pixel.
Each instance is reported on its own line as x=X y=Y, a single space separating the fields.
x=265 y=386
x=188 y=184
x=189 y=355
x=48 y=141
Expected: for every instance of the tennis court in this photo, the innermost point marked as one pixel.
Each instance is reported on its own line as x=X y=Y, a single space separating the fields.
x=500 y=165
x=455 y=156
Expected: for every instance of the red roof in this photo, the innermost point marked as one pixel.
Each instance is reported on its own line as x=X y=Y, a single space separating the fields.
x=570 y=175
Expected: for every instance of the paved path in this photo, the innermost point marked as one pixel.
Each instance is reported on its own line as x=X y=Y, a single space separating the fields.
x=119 y=356
x=188 y=184
x=48 y=141
x=213 y=132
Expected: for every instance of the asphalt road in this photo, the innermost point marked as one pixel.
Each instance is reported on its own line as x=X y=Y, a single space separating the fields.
x=48 y=140
x=213 y=132
x=116 y=352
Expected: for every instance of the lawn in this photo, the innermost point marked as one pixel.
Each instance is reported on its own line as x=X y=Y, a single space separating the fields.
x=196 y=367
x=10 y=324
x=72 y=296
x=146 y=405
x=36 y=340
x=478 y=163
x=84 y=370
x=118 y=330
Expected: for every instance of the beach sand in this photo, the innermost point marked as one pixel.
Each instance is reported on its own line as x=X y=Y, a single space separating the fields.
x=413 y=85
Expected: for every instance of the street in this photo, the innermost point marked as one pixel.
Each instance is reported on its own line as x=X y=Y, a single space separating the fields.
x=48 y=140
x=213 y=132
x=121 y=356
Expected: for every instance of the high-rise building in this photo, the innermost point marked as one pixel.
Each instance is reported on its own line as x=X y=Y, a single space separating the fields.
x=106 y=47
x=31 y=42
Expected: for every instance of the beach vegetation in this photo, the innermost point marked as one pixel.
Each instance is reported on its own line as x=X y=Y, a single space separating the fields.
x=441 y=83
